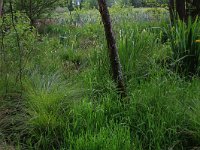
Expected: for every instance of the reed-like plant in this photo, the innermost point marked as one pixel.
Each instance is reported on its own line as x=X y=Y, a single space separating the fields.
x=186 y=51
x=136 y=48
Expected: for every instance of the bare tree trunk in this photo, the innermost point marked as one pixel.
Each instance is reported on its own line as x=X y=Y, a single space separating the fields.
x=113 y=52
x=1 y=8
x=31 y=12
x=172 y=10
x=181 y=9
x=195 y=7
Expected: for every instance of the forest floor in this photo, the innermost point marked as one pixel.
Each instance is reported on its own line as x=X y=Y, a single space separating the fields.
x=66 y=98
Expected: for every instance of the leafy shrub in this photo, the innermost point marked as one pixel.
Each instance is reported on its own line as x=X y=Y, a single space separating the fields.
x=18 y=43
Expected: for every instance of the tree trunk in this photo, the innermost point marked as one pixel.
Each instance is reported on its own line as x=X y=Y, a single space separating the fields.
x=30 y=10
x=113 y=52
x=194 y=9
x=171 y=10
x=181 y=9
x=1 y=8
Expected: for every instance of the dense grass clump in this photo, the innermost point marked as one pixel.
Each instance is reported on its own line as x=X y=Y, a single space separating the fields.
x=186 y=51
x=66 y=98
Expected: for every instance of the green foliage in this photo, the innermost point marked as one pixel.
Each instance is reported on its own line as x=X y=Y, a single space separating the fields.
x=87 y=4
x=65 y=107
x=136 y=46
x=90 y=4
x=36 y=8
x=17 y=43
x=186 y=51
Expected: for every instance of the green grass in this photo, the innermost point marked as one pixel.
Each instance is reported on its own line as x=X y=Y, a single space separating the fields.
x=185 y=50
x=69 y=100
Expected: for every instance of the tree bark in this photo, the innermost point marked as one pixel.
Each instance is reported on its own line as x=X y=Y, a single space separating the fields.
x=194 y=8
x=172 y=10
x=1 y=8
x=181 y=9
x=113 y=51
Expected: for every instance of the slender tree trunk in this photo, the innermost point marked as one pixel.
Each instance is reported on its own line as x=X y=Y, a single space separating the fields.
x=30 y=12
x=1 y=8
x=22 y=5
x=171 y=10
x=113 y=52
x=195 y=8
x=181 y=9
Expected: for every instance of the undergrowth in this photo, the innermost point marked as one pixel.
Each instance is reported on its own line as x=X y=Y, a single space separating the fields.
x=68 y=99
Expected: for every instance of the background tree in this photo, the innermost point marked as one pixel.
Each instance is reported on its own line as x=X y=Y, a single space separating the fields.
x=1 y=7
x=34 y=8
x=70 y=5
x=171 y=9
x=193 y=7
x=184 y=8
x=177 y=7
x=181 y=9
